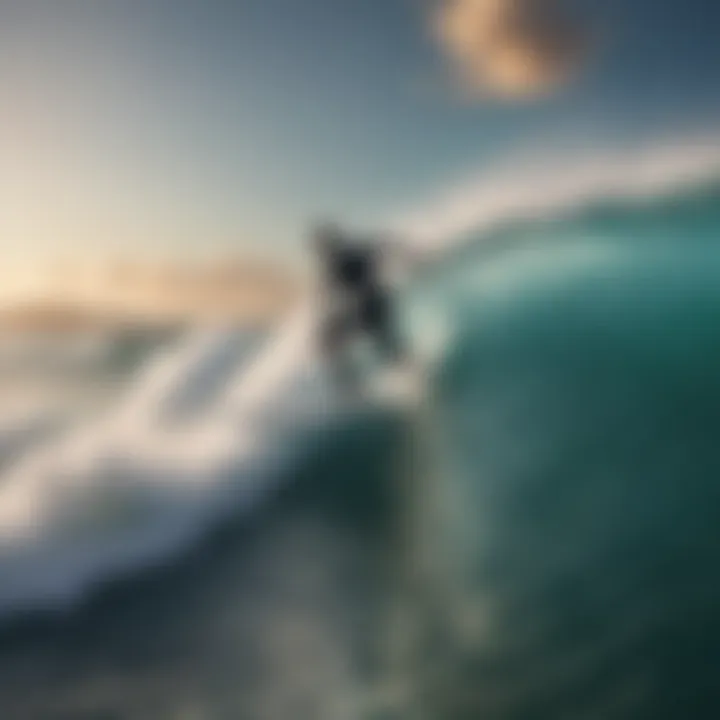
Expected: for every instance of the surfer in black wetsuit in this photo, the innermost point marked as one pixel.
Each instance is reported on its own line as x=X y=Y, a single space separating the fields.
x=358 y=300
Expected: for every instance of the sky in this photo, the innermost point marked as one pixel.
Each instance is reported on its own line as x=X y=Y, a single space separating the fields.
x=181 y=128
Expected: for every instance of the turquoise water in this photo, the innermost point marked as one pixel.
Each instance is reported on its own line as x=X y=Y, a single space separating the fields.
x=579 y=410
x=540 y=539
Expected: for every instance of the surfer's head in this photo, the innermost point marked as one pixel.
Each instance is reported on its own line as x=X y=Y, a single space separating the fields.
x=327 y=237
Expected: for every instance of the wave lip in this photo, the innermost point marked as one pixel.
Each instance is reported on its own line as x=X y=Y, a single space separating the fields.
x=544 y=185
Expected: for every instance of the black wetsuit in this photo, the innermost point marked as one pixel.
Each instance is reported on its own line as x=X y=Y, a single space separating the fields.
x=359 y=301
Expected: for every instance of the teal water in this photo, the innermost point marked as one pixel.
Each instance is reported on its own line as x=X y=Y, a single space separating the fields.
x=579 y=411
x=540 y=539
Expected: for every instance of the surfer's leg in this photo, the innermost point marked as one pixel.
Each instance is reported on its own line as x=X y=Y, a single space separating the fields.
x=390 y=343
x=379 y=322
x=331 y=336
x=335 y=334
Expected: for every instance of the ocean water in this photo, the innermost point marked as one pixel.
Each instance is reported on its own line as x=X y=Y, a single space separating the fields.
x=537 y=538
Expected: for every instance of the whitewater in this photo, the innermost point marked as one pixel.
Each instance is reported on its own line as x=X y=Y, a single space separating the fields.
x=208 y=430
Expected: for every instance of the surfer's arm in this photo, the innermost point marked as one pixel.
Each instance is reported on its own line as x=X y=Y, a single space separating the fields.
x=402 y=252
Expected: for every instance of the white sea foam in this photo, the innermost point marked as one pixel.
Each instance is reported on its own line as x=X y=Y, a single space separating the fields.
x=555 y=179
x=201 y=435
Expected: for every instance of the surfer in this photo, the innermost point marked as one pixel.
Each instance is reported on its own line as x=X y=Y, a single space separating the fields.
x=357 y=296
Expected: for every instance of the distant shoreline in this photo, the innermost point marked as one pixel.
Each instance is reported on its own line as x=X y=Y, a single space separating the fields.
x=234 y=292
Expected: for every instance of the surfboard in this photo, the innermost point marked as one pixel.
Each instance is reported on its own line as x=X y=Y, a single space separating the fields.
x=401 y=385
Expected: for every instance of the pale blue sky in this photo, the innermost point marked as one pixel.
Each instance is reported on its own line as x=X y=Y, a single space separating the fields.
x=170 y=126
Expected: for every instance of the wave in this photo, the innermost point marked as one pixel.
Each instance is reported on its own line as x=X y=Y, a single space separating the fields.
x=209 y=428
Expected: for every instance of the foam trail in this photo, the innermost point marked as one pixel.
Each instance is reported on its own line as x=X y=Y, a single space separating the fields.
x=543 y=184
x=148 y=480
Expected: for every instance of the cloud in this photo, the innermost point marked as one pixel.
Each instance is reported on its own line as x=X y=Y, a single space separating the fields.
x=510 y=48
